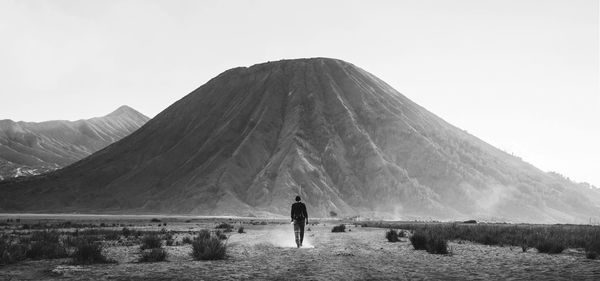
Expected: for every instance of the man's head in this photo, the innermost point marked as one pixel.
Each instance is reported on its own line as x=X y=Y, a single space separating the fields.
x=297 y=198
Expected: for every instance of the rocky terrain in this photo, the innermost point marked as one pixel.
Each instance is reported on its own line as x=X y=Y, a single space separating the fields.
x=29 y=148
x=250 y=139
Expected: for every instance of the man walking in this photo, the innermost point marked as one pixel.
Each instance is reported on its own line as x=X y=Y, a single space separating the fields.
x=300 y=218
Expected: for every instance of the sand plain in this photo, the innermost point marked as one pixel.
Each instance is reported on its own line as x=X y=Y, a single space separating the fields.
x=267 y=252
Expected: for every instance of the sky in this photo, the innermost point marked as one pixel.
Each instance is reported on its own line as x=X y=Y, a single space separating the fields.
x=521 y=75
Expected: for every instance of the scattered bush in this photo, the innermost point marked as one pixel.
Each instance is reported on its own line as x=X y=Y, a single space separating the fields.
x=151 y=241
x=204 y=234
x=550 y=246
x=88 y=252
x=211 y=248
x=125 y=232
x=392 y=235
x=241 y=229
x=224 y=226
x=187 y=240
x=46 y=245
x=437 y=245
x=112 y=235
x=339 y=228
x=592 y=249
x=419 y=241
x=525 y=236
x=153 y=255
x=332 y=214
x=220 y=235
x=11 y=251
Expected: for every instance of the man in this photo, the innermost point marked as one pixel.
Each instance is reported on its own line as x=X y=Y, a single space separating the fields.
x=300 y=218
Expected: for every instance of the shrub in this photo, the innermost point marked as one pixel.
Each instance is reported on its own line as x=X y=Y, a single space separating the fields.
x=154 y=220
x=153 y=255
x=169 y=239
x=220 y=235
x=392 y=235
x=419 y=241
x=151 y=241
x=241 y=229
x=112 y=235
x=204 y=233
x=88 y=252
x=332 y=214
x=125 y=232
x=437 y=245
x=211 y=248
x=46 y=245
x=224 y=226
x=592 y=249
x=339 y=228
x=11 y=252
x=187 y=240
x=550 y=246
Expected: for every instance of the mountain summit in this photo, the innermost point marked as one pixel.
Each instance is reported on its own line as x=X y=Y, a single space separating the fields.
x=252 y=138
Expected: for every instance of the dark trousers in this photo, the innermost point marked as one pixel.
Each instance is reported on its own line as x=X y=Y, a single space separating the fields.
x=299 y=231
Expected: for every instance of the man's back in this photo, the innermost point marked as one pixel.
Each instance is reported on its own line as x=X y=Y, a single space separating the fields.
x=299 y=211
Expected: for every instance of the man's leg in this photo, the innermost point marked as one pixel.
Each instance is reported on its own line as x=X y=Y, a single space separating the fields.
x=301 y=231
x=297 y=233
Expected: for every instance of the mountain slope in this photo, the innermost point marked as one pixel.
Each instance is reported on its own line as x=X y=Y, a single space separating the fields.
x=249 y=140
x=29 y=148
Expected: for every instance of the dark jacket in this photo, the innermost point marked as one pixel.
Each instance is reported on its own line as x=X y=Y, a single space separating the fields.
x=299 y=211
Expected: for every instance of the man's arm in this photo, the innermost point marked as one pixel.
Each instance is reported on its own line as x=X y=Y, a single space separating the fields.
x=305 y=213
x=292 y=213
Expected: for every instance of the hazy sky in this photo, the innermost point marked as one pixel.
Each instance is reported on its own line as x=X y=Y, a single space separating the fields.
x=521 y=75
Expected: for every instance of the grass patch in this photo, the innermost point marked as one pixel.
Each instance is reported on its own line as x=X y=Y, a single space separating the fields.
x=153 y=255
x=11 y=251
x=88 y=252
x=224 y=226
x=208 y=248
x=545 y=238
x=186 y=240
x=437 y=245
x=550 y=246
x=392 y=235
x=419 y=241
x=46 y=245
x=339 y=228
x=151 y=241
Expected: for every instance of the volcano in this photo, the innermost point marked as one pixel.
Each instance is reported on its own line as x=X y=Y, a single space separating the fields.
x=252 y=138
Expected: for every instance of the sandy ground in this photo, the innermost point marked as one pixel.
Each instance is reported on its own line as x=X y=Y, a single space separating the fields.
x=269 y=253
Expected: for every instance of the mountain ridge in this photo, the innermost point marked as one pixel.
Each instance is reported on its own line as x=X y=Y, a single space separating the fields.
x=29 y=148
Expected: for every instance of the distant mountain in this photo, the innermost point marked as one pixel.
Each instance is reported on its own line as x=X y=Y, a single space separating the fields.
x=249 y=140
x=29 y=148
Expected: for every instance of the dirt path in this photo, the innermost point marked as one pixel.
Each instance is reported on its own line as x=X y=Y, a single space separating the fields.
x=268 y=253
